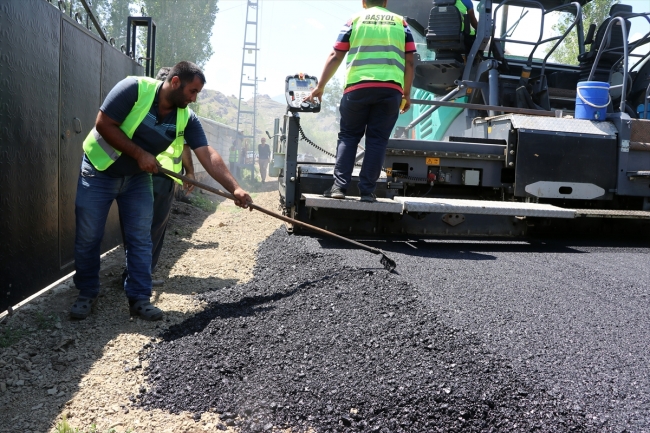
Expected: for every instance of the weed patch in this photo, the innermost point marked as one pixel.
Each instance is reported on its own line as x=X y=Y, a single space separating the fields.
x=64 y=427
x=11 y=336
x=203 y=203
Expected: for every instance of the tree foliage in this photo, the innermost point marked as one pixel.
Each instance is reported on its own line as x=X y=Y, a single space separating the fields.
x=332 y=96
x=183 y=27
x=593 y=12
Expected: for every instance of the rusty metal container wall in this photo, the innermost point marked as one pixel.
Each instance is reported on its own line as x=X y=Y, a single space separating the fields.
x=53 y=78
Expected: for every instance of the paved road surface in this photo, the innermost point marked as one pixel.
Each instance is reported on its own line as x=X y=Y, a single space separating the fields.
x=573 y=316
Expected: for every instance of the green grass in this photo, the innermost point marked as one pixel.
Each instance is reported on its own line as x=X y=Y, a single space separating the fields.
x=44 y=322
x=10 y=336
x=203 y=203
x=64 y=427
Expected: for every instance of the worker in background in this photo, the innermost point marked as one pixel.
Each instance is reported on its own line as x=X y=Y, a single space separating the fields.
x=466 y=8
x=232 y=156
x=140 y=118
x=264 y=152
x=379 y=47
x=164 y=189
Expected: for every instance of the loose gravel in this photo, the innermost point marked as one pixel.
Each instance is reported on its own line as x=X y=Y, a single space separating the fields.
x=86 y=370
x=315 y=343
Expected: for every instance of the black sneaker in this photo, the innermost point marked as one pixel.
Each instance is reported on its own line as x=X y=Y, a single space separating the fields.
x=334 y=192
x=368 y=198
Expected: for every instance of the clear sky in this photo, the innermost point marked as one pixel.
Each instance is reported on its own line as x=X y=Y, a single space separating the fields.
x=294 y=36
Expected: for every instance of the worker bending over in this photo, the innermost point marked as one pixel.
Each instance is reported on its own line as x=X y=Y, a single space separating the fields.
x=140 y=118
x=164 y=189
x=379 y=47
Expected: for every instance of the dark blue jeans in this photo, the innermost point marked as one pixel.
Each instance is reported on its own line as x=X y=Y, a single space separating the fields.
x=163 y=198
x=369 y=111
x=95 y=194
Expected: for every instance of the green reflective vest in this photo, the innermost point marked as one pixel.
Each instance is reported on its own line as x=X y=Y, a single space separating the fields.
x=102 y=155
x=232 y=156
x=463 y=12
x=377 y=47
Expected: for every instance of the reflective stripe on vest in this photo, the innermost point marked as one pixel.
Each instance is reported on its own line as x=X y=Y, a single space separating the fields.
x=377 y=47
x=102 y=155
x=172 y=158
x=463 y=11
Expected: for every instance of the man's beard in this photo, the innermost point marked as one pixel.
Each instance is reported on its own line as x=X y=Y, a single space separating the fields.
x=178 y=98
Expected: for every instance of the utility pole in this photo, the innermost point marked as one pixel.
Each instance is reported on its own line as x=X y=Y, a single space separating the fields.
x=248 y=64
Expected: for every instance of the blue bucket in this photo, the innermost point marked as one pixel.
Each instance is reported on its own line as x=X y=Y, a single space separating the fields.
x=592 y=99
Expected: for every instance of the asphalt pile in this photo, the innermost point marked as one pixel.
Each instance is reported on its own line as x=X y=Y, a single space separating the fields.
x=313 y=342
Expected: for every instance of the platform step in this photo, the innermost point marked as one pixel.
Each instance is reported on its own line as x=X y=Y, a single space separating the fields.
x=441 y=205
x=608 y=213
x=352 y=203
x=481 y=207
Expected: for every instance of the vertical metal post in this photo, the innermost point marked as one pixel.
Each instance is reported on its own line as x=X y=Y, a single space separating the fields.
x=493 y=79
x=251 y=47
x=291 y=159
x=131 y=34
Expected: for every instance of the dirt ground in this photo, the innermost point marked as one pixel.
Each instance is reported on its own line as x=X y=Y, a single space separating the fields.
x=88 y=370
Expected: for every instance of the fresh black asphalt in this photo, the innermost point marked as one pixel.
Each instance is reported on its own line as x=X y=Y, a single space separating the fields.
x=467 y=336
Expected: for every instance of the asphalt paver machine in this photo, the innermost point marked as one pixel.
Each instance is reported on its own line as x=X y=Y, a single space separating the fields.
x=492 y=146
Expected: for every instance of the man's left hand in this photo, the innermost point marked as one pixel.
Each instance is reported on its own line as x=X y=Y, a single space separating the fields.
x=188 y=187
x=242 y=199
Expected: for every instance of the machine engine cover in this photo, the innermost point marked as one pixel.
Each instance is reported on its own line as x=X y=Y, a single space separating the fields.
x=556 y=158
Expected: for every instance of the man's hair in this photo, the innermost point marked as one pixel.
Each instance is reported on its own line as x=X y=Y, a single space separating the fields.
x=163 y=73
x=374 y=2
x=186 y=71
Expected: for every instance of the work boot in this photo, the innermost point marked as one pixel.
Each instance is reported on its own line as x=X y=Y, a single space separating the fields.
x=368 y=198
x=145 y=310
x=82 y=307
x=334 y=192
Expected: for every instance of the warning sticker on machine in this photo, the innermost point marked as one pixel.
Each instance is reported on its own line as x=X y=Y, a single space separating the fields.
x=433 y=161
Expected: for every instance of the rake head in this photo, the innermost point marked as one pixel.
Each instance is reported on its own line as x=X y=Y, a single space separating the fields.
x=389 y=264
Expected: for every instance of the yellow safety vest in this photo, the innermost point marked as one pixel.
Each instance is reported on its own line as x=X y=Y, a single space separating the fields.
x=463 y=12
x=377 y=47
x=102 y=155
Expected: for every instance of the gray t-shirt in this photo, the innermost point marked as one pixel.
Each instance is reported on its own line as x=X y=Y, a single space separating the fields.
x=153 y=135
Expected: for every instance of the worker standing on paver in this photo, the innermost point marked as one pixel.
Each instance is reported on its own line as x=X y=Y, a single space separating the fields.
x=140 y=118
x=466 y=9
x=379 y=47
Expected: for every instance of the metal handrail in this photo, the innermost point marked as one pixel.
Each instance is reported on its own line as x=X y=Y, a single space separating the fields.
x=604 y=44
x=540 y=41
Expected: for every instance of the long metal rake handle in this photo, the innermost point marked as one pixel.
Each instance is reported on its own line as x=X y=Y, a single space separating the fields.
x=388 y=263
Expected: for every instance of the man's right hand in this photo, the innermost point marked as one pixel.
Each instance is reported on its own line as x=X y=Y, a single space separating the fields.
x=147 y=162
x=406 y=104
x=316 y=93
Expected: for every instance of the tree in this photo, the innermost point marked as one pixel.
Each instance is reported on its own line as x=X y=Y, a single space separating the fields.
x=332 y=96
x=112 y=15
x=183 y=27
x=593 y=12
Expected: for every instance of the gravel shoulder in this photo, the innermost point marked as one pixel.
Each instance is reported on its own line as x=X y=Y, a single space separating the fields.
x=87 y=370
